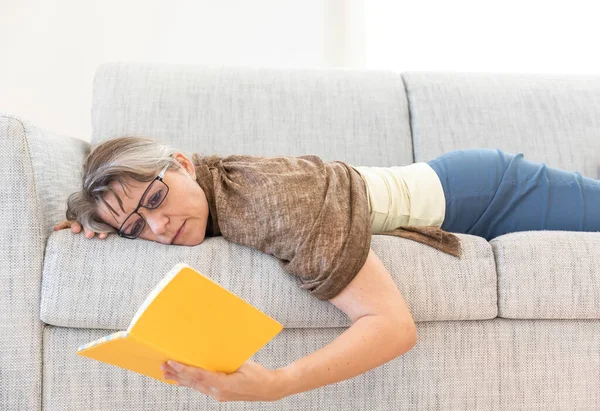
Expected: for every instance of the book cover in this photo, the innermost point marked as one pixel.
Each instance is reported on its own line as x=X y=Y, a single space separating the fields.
x=191 y=319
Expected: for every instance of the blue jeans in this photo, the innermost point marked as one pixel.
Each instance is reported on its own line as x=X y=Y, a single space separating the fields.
x=489 y=193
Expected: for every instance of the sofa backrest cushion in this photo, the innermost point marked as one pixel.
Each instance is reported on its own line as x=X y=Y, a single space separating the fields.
x=357 y=116
x=549 y=118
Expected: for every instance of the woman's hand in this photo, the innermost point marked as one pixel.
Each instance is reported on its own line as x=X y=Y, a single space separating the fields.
x=250 y=382
x=76 y=228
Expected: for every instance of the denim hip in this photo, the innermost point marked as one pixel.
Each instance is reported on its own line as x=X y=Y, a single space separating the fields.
x=490 y=193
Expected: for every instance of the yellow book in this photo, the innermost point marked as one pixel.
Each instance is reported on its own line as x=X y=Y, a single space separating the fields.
x=191 y=319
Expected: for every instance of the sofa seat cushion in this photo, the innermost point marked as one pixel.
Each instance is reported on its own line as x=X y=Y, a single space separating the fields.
x=497 y=364
x=548 y=274
x=92 y=283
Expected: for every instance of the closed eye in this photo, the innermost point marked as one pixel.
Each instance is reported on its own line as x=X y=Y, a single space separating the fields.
x=155 y=199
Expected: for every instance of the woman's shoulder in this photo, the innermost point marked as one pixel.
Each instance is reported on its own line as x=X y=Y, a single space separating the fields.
x=210 y=160
x=243 y=161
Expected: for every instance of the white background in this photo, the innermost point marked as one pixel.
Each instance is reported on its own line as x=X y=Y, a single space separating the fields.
x=51 y=48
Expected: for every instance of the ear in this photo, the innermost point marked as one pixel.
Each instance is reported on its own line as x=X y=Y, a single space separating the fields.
x=185 y=163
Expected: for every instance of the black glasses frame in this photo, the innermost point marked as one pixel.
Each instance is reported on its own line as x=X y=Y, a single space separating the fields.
x=158 y=177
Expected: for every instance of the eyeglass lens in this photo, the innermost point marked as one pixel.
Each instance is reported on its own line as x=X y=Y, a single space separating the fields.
x=153 y=198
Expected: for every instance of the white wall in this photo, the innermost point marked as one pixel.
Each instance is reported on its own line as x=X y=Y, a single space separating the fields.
x=50 y=49
x=526 y=36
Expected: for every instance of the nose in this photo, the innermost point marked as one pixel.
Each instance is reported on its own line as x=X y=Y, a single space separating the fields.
x=156 y=220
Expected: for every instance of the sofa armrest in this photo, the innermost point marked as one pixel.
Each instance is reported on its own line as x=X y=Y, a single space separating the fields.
x=49 y=164
x=38 y=170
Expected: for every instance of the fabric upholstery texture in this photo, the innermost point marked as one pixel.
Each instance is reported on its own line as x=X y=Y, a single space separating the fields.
x=513 y=324
x=548 y=275
x=441 y=288
x=550 y=118
x=38 y=168
x=497 y=364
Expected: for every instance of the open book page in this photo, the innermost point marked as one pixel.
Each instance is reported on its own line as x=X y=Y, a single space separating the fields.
x=192 y=319
x=159 y=287
x=203 y=323
x=131 y=354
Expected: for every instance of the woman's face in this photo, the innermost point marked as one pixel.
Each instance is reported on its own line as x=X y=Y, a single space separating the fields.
x=184 y=203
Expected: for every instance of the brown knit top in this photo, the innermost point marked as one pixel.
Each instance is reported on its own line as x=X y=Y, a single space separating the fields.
x=312 y=216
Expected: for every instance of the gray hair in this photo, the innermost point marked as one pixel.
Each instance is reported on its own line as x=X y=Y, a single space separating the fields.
x=117 y=159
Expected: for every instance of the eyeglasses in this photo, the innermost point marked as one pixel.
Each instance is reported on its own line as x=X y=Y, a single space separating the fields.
x=154 y=195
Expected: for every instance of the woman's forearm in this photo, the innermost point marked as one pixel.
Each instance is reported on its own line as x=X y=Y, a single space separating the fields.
x=370 y=342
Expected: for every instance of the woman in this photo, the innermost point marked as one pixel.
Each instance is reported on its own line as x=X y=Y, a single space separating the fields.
x=317 y=218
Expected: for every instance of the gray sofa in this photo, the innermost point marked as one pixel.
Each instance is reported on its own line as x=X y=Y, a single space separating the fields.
x=513 y=324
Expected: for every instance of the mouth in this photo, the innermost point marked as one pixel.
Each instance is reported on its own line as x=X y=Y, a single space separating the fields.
x=178 y=233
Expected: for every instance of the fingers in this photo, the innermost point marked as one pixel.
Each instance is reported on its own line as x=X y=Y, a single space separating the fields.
x=88 y=233
x=62 y=224
x=76 y=228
